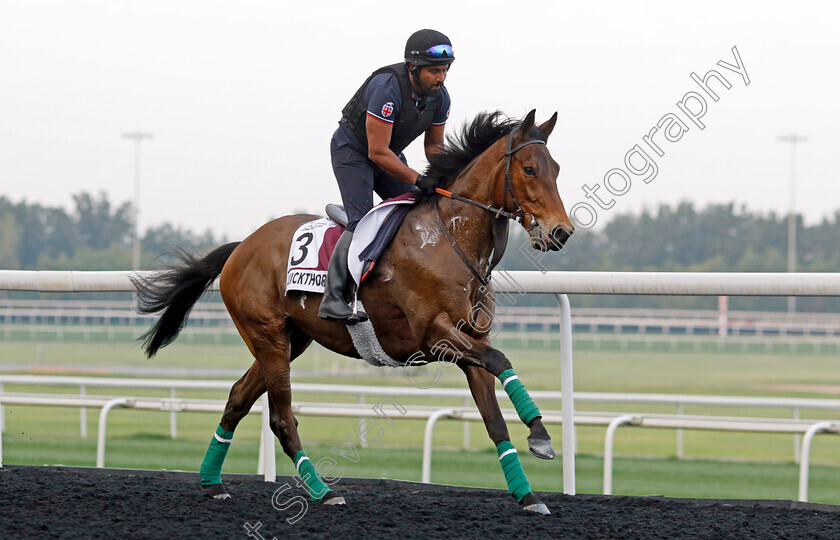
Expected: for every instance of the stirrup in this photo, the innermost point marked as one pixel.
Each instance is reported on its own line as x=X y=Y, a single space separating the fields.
x=353 y=317
x=357 y=316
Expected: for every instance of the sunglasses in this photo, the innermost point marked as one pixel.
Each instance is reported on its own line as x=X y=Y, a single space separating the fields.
x=438 y=51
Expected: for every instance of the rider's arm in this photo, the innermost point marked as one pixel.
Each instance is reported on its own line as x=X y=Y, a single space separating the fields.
x=379 y=137
x=433 y=141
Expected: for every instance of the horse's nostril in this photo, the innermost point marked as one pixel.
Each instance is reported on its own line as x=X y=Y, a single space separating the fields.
x=559 y=235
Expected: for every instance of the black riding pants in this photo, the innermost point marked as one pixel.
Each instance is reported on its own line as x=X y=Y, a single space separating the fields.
x=358 y=178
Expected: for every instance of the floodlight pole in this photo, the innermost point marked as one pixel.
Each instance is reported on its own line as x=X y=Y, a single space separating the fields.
x=137 y=136
x=793 y=140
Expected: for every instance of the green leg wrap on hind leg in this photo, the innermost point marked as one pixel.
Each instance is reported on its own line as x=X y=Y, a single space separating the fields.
x=211 y=467
x=518 y=485
x=316 y=488
x=525 y=406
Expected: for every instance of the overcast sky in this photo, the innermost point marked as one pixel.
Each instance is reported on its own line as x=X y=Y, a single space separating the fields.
x=242 y=97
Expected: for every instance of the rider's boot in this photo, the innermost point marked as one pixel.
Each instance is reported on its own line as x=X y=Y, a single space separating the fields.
x=333 y=305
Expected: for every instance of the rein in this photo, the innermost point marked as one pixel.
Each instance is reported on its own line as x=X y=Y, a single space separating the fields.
x=517 y=215
x=500 y=229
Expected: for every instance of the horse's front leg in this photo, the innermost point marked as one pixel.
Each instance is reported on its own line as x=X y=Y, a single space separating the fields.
x=495 y=362
x=482 y=387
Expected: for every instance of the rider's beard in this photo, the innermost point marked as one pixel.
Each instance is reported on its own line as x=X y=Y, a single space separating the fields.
x=430 y=91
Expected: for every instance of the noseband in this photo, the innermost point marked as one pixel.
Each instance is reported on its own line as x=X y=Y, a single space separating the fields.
x=519 y=214
x=500 y=227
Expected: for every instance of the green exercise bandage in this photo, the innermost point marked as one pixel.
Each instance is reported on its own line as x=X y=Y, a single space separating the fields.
x=211 y=467
x=306 y=470
x=514 y=475
x=525 y=406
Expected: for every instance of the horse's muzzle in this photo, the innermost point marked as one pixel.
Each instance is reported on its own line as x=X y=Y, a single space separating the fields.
x=549 y=241
x=559 y=235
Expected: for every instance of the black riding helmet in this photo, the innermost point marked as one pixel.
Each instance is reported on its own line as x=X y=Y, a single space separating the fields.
x=428 y=48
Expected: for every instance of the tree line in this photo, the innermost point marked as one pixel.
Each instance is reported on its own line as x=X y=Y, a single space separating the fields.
x=97 y=235
x=93 y=235
x=683 y=238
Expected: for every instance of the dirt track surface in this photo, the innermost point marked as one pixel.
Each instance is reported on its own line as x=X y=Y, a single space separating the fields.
x=59 y=502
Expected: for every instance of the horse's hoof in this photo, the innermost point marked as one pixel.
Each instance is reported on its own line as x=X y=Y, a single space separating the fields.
x=333 y=498
x=541 y=448
x=538 y=508
x=217 y=491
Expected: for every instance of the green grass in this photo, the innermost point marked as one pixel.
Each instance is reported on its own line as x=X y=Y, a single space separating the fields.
x=747 y=466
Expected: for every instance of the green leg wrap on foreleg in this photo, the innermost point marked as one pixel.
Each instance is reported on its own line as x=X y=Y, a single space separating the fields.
x=211 y=467
x=525 y=406
x=306 y=470
x=517 y=482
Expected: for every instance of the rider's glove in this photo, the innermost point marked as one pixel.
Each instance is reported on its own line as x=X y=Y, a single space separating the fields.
x=427 y=184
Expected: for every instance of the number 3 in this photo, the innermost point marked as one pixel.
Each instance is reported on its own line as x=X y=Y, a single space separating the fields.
x=303 y=250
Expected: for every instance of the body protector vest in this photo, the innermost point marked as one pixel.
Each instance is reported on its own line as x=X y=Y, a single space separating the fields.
x=408 y=125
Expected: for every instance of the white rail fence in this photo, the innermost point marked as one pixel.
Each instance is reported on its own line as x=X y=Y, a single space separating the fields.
x=677 y=402
x=77 y=316
x=267 y=465
x=557 y=283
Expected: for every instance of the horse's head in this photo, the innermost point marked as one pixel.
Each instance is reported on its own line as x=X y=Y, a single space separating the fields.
x=530 y=185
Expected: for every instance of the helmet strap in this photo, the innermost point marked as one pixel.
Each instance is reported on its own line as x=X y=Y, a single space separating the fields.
x=415 y=72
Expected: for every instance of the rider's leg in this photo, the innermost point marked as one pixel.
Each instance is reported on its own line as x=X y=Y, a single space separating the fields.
x=334 y=303
x=354 y=173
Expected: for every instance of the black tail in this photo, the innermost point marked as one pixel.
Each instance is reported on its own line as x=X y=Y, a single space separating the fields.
x=175 y=291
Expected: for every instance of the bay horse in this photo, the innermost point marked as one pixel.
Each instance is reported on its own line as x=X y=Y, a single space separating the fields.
x=419 y=295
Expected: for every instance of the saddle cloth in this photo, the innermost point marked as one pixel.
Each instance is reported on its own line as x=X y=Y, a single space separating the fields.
x=309 y=255
x=314 y=242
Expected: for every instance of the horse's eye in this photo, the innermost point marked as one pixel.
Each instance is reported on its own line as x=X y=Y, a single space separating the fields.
x=529 y=171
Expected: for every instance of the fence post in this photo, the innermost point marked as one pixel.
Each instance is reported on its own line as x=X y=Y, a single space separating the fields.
x=567 y=394
x=806 y=457
x=797 y=439
x=680 y=450
x=1 y=432
x=269 y=466
x=362 y=440
x=609 y=440
x=466 y=427
x=426 y=475
x=173 y=425
x=83 y=414
x=103 y=422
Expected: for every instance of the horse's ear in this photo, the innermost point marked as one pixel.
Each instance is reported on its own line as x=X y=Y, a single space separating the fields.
x=528 y=122
x=548 y=125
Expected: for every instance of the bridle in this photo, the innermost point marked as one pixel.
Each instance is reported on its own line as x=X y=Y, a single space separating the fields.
x=518 y=214
x=500 y=227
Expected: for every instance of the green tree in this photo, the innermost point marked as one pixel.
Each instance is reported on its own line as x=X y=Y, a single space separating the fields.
x=9 y=240
x=97 y=226
x=114 y=257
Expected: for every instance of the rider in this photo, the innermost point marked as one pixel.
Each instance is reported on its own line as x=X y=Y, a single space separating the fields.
x=392 y=108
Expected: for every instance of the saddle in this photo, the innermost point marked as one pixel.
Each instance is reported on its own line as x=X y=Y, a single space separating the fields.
x=314 y=241
x=337 y=213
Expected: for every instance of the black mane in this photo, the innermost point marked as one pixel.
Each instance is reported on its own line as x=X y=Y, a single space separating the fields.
x=475 y=137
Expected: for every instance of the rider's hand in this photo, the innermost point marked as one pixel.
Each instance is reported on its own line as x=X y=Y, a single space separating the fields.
x=427 y=184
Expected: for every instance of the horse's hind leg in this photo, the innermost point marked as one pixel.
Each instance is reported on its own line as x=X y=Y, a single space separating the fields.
x=242 y=396
x=274 y=358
